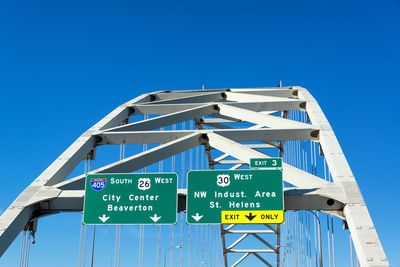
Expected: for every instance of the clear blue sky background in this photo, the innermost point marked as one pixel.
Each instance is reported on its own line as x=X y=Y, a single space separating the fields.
x=66 y=64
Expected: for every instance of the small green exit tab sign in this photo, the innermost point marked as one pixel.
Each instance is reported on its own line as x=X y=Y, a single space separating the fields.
x=266 y=163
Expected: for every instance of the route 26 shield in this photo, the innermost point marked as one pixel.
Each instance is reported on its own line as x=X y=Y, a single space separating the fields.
x=98 y=183
x=144 y=183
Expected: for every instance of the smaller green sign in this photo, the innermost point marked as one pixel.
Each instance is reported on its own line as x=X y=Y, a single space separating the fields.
x=266 y=163
x=130 y=198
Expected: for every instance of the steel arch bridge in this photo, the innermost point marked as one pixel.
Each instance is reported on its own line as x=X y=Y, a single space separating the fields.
x=233 y=125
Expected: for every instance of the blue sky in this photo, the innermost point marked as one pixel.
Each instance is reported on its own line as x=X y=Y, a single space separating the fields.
x=66 y=64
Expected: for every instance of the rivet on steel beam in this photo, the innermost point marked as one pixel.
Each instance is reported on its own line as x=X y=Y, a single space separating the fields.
x=223 y=95
x=98 y=138
x=330 y=202
x=131 y=111
x=314 y=134
x=216 y=108
x=152 y=97
x=203 y=138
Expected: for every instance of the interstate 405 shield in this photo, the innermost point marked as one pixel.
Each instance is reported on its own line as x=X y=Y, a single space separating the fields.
x=235 y=196
x=145 y=198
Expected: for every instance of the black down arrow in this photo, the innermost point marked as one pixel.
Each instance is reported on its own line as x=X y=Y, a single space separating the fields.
x=250 y=216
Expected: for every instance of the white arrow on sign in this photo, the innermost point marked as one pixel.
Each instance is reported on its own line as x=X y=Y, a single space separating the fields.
x=197 y=217
x=104 y=218
x=155 y=218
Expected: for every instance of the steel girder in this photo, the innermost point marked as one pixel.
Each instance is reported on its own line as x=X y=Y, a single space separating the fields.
x=216 y=113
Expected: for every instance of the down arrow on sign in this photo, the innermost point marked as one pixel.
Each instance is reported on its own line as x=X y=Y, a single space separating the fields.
x=250 y=216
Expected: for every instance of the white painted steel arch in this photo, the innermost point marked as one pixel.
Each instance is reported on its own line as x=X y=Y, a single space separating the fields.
x=214 y=111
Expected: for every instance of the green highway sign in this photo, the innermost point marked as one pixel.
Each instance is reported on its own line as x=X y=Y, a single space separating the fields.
x=266 y=163
x=235 y=196
x=140 y=198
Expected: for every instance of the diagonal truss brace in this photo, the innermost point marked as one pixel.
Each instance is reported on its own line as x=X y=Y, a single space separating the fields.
x=291 y=174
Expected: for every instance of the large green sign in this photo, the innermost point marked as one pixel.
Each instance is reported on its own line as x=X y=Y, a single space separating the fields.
x=242 y=196
x=145 y=198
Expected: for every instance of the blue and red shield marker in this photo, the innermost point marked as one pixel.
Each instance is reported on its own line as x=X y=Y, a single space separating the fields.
x=98 y=183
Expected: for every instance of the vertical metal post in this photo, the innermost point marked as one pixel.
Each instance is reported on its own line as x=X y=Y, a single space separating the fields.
x=94 y=236
x=320 y=243
x=278 y=244
x=224 y=245
x=319 y=238
x=351 y=251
